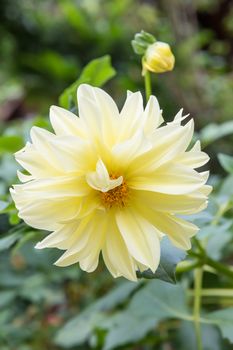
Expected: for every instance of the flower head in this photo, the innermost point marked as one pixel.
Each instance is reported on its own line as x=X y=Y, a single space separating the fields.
x=159 y=58
x=111 y=182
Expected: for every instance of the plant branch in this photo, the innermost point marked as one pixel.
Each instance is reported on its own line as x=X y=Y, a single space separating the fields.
x=198 y=274
x=206 y=260
x=185 y=266
x=224 y=269
x=215 y=292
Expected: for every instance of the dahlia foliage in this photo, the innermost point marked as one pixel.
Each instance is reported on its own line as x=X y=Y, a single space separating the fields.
x=112 y=182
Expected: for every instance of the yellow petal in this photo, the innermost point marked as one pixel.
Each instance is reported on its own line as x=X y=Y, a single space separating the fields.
x=48 y=215
x=140 y=237
x=169 y=141
x=179 y=117
x=116 y=255
x=59 y=187
x=88 y=204
x=41 y=141
x=35 y=163
x=206 y=189
x=152 y=115
x=87 y=253
x=178 y=230
x=178 y=204
x=193 y=158
x=111 y=268
x=99 y=113
x=58 y=238
x=124 y=153
x=24 y=178
x=65 y=154
x=131 y=117
x=170 y=179
x=66 y=123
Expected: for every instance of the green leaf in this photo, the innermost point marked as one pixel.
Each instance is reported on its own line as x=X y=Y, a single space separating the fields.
x=211 y=337
x=141 y=42
x=210 y=235
x=30 y=236
x=170 y=257
x=6 y=297
x=8 y=241
x=52 y=63
x=77 y=18
x=226 y=162
x=35 y=289
x=227 y=186
x=213 y=132
x=79 y=332
x=151 y=304
x=224 y=320
x=96 y=73
x=128 y=328
x=10 y=143
x=14 y=219
x=90 y=318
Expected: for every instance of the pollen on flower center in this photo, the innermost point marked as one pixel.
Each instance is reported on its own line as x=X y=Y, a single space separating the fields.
x=116 y=197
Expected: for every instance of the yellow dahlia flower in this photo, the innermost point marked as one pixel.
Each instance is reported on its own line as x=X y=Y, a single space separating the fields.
x=111 y=182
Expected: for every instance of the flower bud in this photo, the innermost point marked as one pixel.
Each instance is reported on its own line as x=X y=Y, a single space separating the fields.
x=158 y=58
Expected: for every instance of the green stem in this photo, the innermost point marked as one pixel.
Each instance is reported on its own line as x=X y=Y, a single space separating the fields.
x=198 y=274
x=210 y=269
x=221 y=211
x=193 y=254
x=224 y=269
x=199 y=245
x=147 y=79
x=215 y=292
x=219 y=267
x=185 y=266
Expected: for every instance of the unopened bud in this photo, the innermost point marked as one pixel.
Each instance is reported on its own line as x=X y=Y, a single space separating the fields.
x=158 y=58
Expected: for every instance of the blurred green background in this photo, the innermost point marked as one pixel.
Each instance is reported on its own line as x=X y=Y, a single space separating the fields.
x=44 y=44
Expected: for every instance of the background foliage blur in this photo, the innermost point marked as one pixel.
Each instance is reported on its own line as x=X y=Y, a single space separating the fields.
x=44 y=44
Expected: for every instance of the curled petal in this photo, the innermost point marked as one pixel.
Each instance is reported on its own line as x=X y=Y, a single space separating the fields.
x=100 y=179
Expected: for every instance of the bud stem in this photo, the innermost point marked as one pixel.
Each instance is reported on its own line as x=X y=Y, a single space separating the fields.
x=147 y=80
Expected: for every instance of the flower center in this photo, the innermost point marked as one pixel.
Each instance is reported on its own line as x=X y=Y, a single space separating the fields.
x=116 y=197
